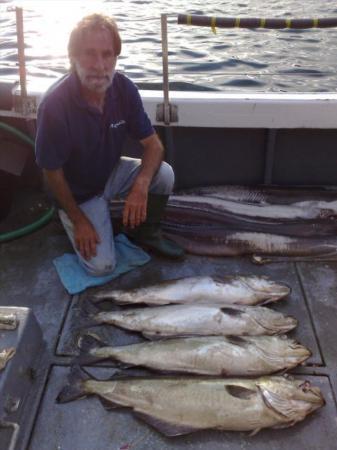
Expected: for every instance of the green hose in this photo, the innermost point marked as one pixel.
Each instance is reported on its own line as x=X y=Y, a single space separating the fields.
x=43 y=220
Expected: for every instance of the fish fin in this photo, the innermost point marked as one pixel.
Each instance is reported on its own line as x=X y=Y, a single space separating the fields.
x=121 y=373
x=86 y=342
x=74 y=389
x=237 y=340
x=107 y=404
x=85 y=317
x=153 y=336
x=9 y=353
x=89 y=308
x=240 y=391
x=85 y=360
x=275 y=402
x=254 y=432
x=101 y=297
x=166 y=428
x=231 y=311
x=89 y=340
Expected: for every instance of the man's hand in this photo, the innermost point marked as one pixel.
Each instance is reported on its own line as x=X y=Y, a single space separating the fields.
x=86 y=238
x=135 y=208
x=85 y=235
x=134 y=212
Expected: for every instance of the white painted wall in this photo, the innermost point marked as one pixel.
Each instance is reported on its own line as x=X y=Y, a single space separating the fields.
x=246 y=110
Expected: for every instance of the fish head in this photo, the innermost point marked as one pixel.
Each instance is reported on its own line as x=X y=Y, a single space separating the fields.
x=290 y=399
x=274 y=322
x=293 y=351
x=5 y=356
x=8 y=321
x=270 y=290
x=281 y=350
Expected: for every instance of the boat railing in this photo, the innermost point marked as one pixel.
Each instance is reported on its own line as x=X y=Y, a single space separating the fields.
x=167 y=113
x=25 y=106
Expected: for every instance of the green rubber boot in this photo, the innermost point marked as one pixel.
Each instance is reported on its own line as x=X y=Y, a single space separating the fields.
x=149 y=234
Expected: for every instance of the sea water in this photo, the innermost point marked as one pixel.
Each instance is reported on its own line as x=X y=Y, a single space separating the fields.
x=227 y=60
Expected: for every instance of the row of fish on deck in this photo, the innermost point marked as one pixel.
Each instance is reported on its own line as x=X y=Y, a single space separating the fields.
x=270 y=223
x=8 y=322
x=216 y=334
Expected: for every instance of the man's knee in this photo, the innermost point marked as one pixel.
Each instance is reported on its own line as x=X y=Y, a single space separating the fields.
x=99 y=267
x=163 y=181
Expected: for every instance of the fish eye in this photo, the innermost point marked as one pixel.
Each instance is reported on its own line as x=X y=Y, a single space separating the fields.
x=305 y=386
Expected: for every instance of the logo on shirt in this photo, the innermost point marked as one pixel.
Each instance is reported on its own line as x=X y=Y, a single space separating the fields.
x=117 y=124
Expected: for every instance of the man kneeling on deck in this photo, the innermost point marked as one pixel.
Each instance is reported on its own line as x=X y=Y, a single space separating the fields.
x=83 y=122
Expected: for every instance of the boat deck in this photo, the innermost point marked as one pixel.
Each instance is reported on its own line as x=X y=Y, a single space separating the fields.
x=28 y=279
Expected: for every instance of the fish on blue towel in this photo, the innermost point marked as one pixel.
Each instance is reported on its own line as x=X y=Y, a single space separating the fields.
x=75 y=279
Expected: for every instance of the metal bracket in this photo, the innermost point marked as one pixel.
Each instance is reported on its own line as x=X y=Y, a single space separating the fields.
x=172 y=116
x=15 y=435
x=25 y=105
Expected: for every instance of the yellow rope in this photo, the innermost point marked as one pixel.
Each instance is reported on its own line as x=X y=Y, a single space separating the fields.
x=262 y=23
x=237 y=22
x=188 y=20
x=213 y=24
x=288 y=23
x=315 y=23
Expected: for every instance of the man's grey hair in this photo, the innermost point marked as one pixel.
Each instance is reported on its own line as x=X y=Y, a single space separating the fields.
x=89 y=23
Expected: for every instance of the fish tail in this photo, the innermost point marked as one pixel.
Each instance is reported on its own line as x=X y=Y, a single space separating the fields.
x=86 y=343
x=90 y=308
x=85 y=317
x=75 y=388
x=103 y=296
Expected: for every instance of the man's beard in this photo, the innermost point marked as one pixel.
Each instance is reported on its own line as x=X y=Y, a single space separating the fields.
x=93 y=81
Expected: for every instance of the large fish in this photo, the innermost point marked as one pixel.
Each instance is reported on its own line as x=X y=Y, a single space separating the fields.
x=8 y=321
x=181 y=214
x=199 y=320
x=309 y=209
x=210 y=355
x=5 y=356
x=181 y=405
x=263 y=194
x=243 y=290
x=233 y=243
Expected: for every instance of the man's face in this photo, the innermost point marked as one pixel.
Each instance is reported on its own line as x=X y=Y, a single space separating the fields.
x=96 y=63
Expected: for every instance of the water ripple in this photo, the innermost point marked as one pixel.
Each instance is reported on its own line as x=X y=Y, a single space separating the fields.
x=231 y=59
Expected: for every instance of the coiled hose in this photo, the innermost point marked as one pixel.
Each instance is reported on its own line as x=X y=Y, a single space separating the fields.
x=45 y=218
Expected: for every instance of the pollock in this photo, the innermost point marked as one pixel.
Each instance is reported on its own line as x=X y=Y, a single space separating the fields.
x=199 y=320
x=180 y=405
x=243 y=290
x=222 y=242
x=206 y=355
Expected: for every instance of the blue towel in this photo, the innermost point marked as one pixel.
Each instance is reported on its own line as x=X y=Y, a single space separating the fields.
x=75 y=279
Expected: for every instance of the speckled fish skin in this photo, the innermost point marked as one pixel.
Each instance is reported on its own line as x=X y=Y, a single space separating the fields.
x=210 y=355
x=263 y=194
x=243 y=290
x=5 y=356
x=199 y=320
x=310 y=209
x=180 y=405
x=229 y=243
x=8 y=321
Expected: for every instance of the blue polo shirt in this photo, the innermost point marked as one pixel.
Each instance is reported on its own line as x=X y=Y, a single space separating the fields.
x=86 y=143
